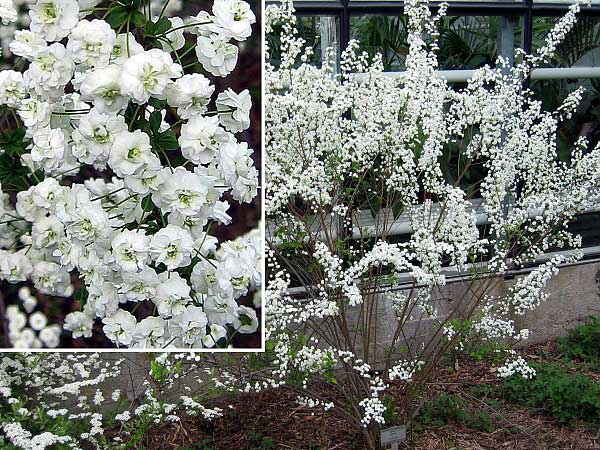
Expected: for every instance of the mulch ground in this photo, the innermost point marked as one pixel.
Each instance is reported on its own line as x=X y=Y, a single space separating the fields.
x=273 y=420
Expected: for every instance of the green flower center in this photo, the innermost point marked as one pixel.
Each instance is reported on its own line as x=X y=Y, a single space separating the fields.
x=49 y=13
x=133 y=153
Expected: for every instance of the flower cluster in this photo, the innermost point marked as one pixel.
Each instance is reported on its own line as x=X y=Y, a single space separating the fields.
x=79 y=395
x=127 y=160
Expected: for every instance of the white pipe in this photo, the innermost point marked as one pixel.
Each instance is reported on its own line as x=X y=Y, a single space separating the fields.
x=560 y=73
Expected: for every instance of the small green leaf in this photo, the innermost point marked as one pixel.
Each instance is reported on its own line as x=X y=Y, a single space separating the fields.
x=118 y=16
x=162 y=26
x=167 y=140
x=12 y=142
x=156 y=103
x=138 y=19
x=155 y=121
x=147 y=204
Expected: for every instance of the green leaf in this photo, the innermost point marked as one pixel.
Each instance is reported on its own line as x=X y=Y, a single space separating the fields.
x=156 y=103
x=138 y=19
x=158 y=371
x=155 y=121
x=118 y=16
x=12 y=142
x=166 y=140
x=81 y=295
x=157 y=28
x=147 y=204
x=12 y=171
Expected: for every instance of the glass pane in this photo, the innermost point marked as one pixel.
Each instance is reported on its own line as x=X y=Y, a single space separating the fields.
x=320 y=33
x=580 y=47
x=585 y=121
x=466 y=42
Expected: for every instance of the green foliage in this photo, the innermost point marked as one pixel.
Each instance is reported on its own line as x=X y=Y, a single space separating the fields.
x=448 y=408
x=157 y=28
x=389 y=415
x=567 y=397
x=260 y=442
x=126 y=11
x=583 y=343
x=159 y=372
x=165 y=140
x=12 y=142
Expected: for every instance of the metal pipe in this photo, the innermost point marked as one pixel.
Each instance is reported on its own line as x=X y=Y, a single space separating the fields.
x=558 y=73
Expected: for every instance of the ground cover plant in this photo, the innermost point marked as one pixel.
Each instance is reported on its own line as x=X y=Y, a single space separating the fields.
x=124 y=175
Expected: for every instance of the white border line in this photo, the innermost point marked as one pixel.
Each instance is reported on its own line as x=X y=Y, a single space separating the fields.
x=262 y=226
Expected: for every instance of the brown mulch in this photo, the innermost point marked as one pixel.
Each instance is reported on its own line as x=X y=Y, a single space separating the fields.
x=254 y=421
x=273 y=420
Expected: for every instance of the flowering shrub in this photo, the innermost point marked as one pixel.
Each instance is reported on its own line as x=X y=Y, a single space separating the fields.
x=119 y=159
x=61 y=400
x=342 y=145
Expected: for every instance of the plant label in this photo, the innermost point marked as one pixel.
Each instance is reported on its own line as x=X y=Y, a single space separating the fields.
x=393 y=436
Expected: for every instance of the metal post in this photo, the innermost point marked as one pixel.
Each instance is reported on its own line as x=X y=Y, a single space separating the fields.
x=345 y=25
x=527 y=37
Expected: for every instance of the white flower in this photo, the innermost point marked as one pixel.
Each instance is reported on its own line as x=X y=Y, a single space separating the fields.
x=50 y=71
x=35 y=113
x=185 y=192
x=50 y=336
x=235 y=16
x=53 y=19
x=175 y=39
x=189 y=326
x=172 y=295
x=190 y=94
x=95 y=135
x=8 y=12
x=201 y=138
x=103 y=88
x=234 y=109
x=48 y=148
x=216 y=55
x=52 y=279
x=28 y=301
x=27 y=44
x=138 y=286
x=79 y=324
x=124 y=47
x=38 y=320
x=238 y=170
x=247 y=321
x=148 y=74
x=91 y=43
x=46 y=232
x=217 y=332
x=130 y=249
x=14 y=267
x=131 y=153
x=103 y=299
x=149 y=332
x=12 y=88
x=220 y=310
x=172 y=246
x=120 y=327
x=89 y=223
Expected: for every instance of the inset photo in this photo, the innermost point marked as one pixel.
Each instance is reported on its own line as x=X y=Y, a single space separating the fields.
x=130 y=155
